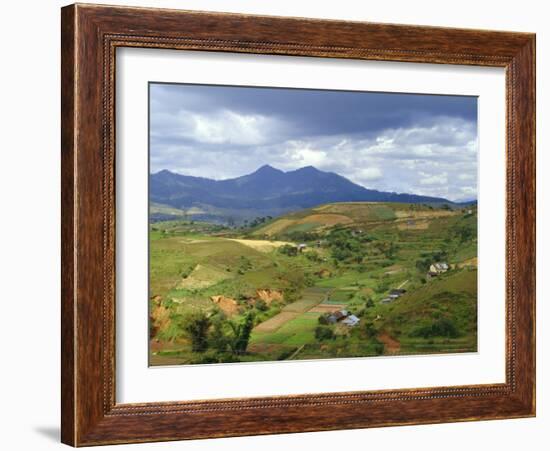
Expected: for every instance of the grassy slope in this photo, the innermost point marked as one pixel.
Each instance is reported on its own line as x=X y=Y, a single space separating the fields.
x=245 y=269
x=452 y=296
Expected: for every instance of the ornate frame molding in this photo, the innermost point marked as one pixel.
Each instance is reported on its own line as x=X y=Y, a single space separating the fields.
x=91 y=35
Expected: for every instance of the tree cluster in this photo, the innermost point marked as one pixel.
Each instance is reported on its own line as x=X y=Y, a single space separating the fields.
x=218 y=333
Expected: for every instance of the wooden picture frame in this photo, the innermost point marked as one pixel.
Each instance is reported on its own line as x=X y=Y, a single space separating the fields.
x=90 y=36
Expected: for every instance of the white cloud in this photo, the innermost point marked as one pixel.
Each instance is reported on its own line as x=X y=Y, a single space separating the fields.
x=226 y=127
x=309 y=157
x=302 y=153
x=367 y=174
x=469 y=191
x=435 y=179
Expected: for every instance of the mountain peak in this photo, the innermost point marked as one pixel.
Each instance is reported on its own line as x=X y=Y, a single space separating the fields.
x=309 y=168
x=266 y=169
x=165 y=174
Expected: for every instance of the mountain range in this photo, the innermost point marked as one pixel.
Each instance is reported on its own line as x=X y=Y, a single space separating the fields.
x=267 y=191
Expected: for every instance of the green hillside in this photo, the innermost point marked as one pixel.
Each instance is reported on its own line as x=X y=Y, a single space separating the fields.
x=261 y=291
x=440 y=316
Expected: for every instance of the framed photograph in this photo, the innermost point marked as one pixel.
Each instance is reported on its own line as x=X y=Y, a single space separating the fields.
x=278 y=225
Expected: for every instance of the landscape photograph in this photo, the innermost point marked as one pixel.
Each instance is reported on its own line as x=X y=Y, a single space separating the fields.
x=298 y=224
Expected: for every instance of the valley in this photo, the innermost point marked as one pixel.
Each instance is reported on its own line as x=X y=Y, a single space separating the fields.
x=331 y=280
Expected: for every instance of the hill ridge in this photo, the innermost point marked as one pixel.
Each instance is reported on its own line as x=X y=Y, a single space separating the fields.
x=268 y=191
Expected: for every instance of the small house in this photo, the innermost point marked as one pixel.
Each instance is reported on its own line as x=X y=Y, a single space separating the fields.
x=397 y=292
x=393 y=295
x=337 y=316
x=351 y=321
x=438 y=268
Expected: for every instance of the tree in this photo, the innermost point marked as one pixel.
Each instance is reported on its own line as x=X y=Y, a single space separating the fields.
x=196 y=326
x=218 y=338
x=370 y=303
x=423 y=265
x=464 y=233
x=241 y=334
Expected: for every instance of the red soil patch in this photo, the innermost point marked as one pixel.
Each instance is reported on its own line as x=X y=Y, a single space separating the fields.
x=159 y=316
x=269 y=296
x=227 y=305
x=391 y=345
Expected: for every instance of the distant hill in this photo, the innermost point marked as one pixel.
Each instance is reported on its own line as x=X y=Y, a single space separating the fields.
x=390 y=215
x=266 y=192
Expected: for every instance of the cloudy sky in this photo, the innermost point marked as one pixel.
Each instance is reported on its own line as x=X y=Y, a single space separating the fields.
x=421 y=144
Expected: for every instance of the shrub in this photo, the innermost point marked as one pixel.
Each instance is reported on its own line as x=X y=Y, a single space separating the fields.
x=382 y=287
x=185 y=272
x=370 y=330
x=313 y=256
x=323 y=333
x=288 y=250
x=261 y=305
x=442 y=327
x=286 y=353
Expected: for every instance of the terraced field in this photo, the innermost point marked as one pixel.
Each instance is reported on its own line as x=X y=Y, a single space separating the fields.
x=404 y=216
x=311 y=298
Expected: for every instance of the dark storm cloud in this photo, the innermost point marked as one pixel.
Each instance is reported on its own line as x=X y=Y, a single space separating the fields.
x=319 y=111
x=425 y=144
